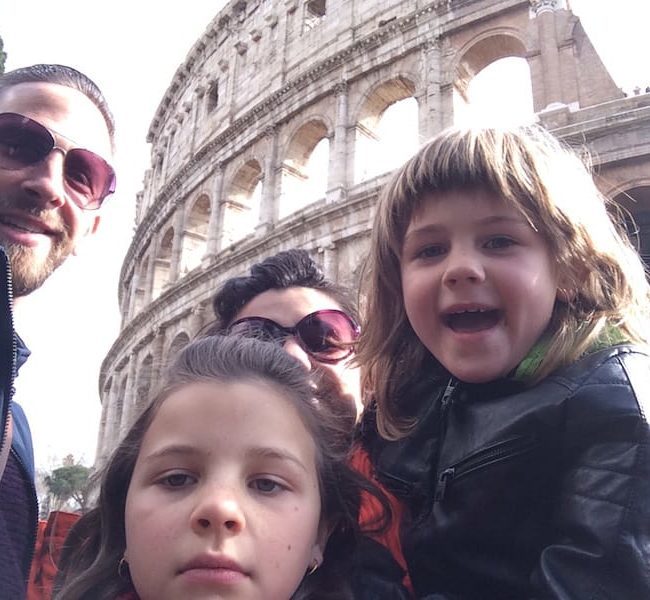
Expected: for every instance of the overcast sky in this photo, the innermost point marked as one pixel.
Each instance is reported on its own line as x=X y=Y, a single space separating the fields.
x=132 y=49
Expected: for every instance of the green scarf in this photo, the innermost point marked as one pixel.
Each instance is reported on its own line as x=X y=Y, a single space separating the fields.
x=609 y=336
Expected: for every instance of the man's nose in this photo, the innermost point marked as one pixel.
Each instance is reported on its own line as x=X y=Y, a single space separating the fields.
x=218 y=510
x=44 y=181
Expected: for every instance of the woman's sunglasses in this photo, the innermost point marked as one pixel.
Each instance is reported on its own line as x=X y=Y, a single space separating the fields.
x=327 y=335
x=25 y=142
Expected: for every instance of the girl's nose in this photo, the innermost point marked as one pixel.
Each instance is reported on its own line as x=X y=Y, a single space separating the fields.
x=463 y=265
x=44 y=181
x=218 y=511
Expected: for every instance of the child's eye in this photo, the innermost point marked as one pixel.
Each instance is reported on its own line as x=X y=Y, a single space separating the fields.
x=266 y=485
x=177 y=480
x=498 y=242
x=431 y=251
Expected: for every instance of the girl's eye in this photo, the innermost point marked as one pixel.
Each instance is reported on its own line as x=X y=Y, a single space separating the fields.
x=176 y=480
x=266 y=485
x=430 y=251
x=499 y=242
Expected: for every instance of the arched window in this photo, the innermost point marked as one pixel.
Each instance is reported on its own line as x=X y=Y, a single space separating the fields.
x=305 y=168
x=242 y=205
x=195 y=235
x=387 y=130
x=493 y=85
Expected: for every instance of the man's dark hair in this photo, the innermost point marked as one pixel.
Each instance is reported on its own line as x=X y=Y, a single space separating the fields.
x=291 y=268
x=62 y=75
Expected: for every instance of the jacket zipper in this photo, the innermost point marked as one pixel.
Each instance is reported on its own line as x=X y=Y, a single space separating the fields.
x=9 y=391
x=446 y=401
x=502 y=450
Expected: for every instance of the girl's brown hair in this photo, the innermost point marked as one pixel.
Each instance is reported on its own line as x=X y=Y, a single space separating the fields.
x=551 y=187
x=89 y=562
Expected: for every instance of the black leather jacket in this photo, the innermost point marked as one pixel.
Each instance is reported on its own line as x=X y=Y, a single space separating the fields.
x=528 y=493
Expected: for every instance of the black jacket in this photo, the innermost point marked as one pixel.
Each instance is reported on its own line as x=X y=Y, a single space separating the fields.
x=527 y=493
x=19 y=505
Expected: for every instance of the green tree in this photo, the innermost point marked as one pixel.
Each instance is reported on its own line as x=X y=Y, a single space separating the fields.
x=69 y=482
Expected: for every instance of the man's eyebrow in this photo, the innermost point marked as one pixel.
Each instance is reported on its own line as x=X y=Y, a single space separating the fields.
x=275 y=454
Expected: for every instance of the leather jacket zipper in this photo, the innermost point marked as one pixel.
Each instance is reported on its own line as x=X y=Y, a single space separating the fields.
x=446 y=401
x=500 y=451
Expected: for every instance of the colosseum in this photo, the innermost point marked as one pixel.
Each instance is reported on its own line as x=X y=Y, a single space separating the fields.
x=272 y=135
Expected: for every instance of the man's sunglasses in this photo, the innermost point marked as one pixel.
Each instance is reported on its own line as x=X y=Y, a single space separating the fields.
x=327 y=335
x=25 y=142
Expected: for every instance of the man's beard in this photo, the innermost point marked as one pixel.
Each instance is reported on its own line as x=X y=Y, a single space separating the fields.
x=29 y=271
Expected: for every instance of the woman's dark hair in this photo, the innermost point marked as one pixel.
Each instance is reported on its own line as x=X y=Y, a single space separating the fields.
x=90 y=558
x=62 y=75
x=291 y=268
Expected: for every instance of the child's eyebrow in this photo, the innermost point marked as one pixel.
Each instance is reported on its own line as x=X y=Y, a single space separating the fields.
x=275 y=454
x=172 y=450
x=491 y=220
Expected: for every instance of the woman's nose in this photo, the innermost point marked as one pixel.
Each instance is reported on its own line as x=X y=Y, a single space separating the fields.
x=218 y=510
x=292 y=347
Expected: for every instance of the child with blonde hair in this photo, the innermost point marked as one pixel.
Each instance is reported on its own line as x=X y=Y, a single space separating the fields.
x=507 y=360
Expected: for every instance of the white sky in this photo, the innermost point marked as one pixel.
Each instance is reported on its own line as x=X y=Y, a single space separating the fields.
x=132 y=49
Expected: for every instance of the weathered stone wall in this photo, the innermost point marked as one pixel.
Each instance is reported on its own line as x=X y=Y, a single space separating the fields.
x=267 y=83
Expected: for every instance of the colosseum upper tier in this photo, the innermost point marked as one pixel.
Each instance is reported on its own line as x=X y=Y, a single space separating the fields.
x=271 y=136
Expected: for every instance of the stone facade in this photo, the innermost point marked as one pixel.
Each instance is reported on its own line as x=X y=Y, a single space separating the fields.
x=270 y=83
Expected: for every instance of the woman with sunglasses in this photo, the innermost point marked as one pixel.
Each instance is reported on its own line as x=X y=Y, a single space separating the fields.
x=286 y=298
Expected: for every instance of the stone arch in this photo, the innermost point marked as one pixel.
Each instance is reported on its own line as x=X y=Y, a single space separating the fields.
x=488 y=62
x=195 y=235
x=304 y=169
x=241 y=208
x=143 y=388
x=635 y=201
x=386 y=129
x=162 y=267
x=178 y=343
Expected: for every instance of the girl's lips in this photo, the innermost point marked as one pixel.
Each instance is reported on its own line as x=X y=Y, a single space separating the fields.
x=212 y=562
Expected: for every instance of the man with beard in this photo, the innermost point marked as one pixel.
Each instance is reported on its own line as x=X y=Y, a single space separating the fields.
x=56 y=137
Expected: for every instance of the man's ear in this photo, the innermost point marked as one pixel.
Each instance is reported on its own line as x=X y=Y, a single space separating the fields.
x=93 y=225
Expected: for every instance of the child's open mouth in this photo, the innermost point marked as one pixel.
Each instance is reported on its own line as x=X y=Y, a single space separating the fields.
x=470 y=321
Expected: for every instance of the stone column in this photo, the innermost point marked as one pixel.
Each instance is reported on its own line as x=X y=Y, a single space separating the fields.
x=216 y=223
x=101 y=434
x=151 y=267
x=130 y=396
x=545 y=12
x=199 y=93
x=177 y=244
x=331 y=262
x=157 y=346
x=435 y=99
x=197 y=319
x=337 y=183
x=269 y=207
x=129 y=313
